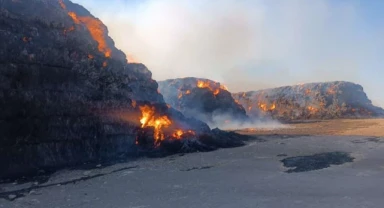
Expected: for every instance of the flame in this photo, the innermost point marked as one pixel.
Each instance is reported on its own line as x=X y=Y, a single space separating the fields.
x=95 y=27
x=202 y=84
x=188 y=92
x=178 y=133
x=211 y=86
x=149 y=118
x=105 y=64
x=160 y=124
x=264 y=106
x=90 y=56
x=312 y=109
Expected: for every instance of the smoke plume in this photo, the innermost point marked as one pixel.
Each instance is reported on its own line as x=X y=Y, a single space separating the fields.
x=249 y=44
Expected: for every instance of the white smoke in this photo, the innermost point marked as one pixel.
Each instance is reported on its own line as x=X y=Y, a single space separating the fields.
x=248 y=44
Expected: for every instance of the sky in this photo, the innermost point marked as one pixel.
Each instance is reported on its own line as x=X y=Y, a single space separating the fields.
x=252 y=44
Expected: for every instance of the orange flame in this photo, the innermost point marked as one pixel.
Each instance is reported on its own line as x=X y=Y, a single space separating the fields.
x=96 y=28
x=264 y=106
x=159 y=123
x=206 y=84
x=149 y=118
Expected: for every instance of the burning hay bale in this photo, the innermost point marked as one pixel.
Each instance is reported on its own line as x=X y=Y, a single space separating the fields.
x=69 y=97
x=204 y=99
x=326 y=100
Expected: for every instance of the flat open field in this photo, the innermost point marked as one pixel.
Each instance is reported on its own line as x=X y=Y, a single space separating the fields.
x=342 y=127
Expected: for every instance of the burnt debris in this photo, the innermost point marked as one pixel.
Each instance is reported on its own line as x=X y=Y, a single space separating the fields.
x=316 y=161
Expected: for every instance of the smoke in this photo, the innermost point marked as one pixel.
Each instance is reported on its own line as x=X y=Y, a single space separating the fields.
x=227 y=122
x=249 y=44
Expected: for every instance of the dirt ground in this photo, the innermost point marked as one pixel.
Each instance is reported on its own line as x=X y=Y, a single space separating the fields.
x=350 y=127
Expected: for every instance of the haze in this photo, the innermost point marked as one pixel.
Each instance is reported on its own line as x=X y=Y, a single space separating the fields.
x=252 y=44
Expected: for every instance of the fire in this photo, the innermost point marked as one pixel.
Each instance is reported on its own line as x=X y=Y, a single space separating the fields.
x=188 y=92
x=202 y=84
x=206 y=84
x=25 y=39
x=149 y=118
x=264 y=107
x=178 y=133
x=312 y=109
x=160 y=124
x=94 y=26
x=105 y=64
x=90 y=56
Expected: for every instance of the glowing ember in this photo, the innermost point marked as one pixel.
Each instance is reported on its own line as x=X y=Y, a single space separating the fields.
x=202 y=84
x=90 y=56
x=25 y=39
x=312 y=109
x=265 y=107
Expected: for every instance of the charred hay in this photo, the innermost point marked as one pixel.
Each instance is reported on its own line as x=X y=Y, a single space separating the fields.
x=326 y=100
x=69 y=97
